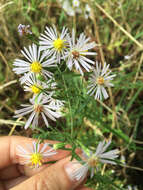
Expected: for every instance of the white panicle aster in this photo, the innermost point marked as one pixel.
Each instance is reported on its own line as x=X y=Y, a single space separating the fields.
x=23 y=29
x=35 y=63
x=35 y=154
x=129 y=187
x=55 y=102
x=99 y=80
x=92 y=160
x=53 y=42
x=71 y=8
x=58 y=103
x=76 y=56
x=87 y=11
x=36 y=86
x=76 y=3
x=39 y=106
x=68 y=8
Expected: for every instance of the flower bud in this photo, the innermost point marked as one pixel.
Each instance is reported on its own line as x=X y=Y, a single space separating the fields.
x=59 y=145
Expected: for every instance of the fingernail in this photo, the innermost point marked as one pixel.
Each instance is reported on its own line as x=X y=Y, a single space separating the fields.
x=75 y=171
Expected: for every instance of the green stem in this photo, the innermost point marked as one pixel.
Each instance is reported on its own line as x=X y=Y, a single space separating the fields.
x=68 y=101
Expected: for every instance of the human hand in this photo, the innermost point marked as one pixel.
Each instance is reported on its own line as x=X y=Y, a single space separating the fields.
x=48 y=177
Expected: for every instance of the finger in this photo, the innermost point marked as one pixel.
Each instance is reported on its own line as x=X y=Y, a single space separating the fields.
x=15 y=171
x=84 y=188
x=10 y=172
x=8 y=150
x=28 y=171
x=13 y=182
x=1 y=186
x=55 y=177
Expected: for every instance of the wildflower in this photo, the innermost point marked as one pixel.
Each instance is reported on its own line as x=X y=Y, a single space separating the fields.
x=59 y=145
x=55 y=102
x=68 y=8
x=55 y=43
x=127 y=57
x=99 y=80
x=58 y=103
x=76 y=3
x=39 y=106
x=35 y=63
x=37 y=86
x=132 y=188
x=87 y=12
x=35 y=154
x=23 y=29
x=87 y=8
x=77 y=52
x=91 y=160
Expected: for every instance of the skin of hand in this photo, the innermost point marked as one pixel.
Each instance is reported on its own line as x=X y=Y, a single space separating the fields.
x=48 y=177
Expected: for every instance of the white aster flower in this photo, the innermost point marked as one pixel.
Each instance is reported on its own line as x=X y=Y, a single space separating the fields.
x=127 y=57
x=36 y=62
x=36 y=86
x=55 y=102
x=35 y=154
x=68 y=8
x=87 y=12
x=23 y=29
x=132 y=188
x=58 y=103
x=53 y=42
x=39 y=106
x=99 y=80
x=76 y=56
x=91 y=160
x=87 y=8
x=76 y=3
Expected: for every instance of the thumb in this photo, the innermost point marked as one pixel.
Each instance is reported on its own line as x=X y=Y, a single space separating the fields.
x=54 y=177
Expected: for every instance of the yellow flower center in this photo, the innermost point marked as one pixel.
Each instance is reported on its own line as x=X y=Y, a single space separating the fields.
x=100 y=80
x=36 y=67
x=93 y=161
x=58 y=44
x=36 y=89
x=36 y=159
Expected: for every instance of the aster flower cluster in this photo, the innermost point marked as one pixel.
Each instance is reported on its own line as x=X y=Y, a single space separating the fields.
x=37 y=76
x=53 y=49
x=74 y=52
